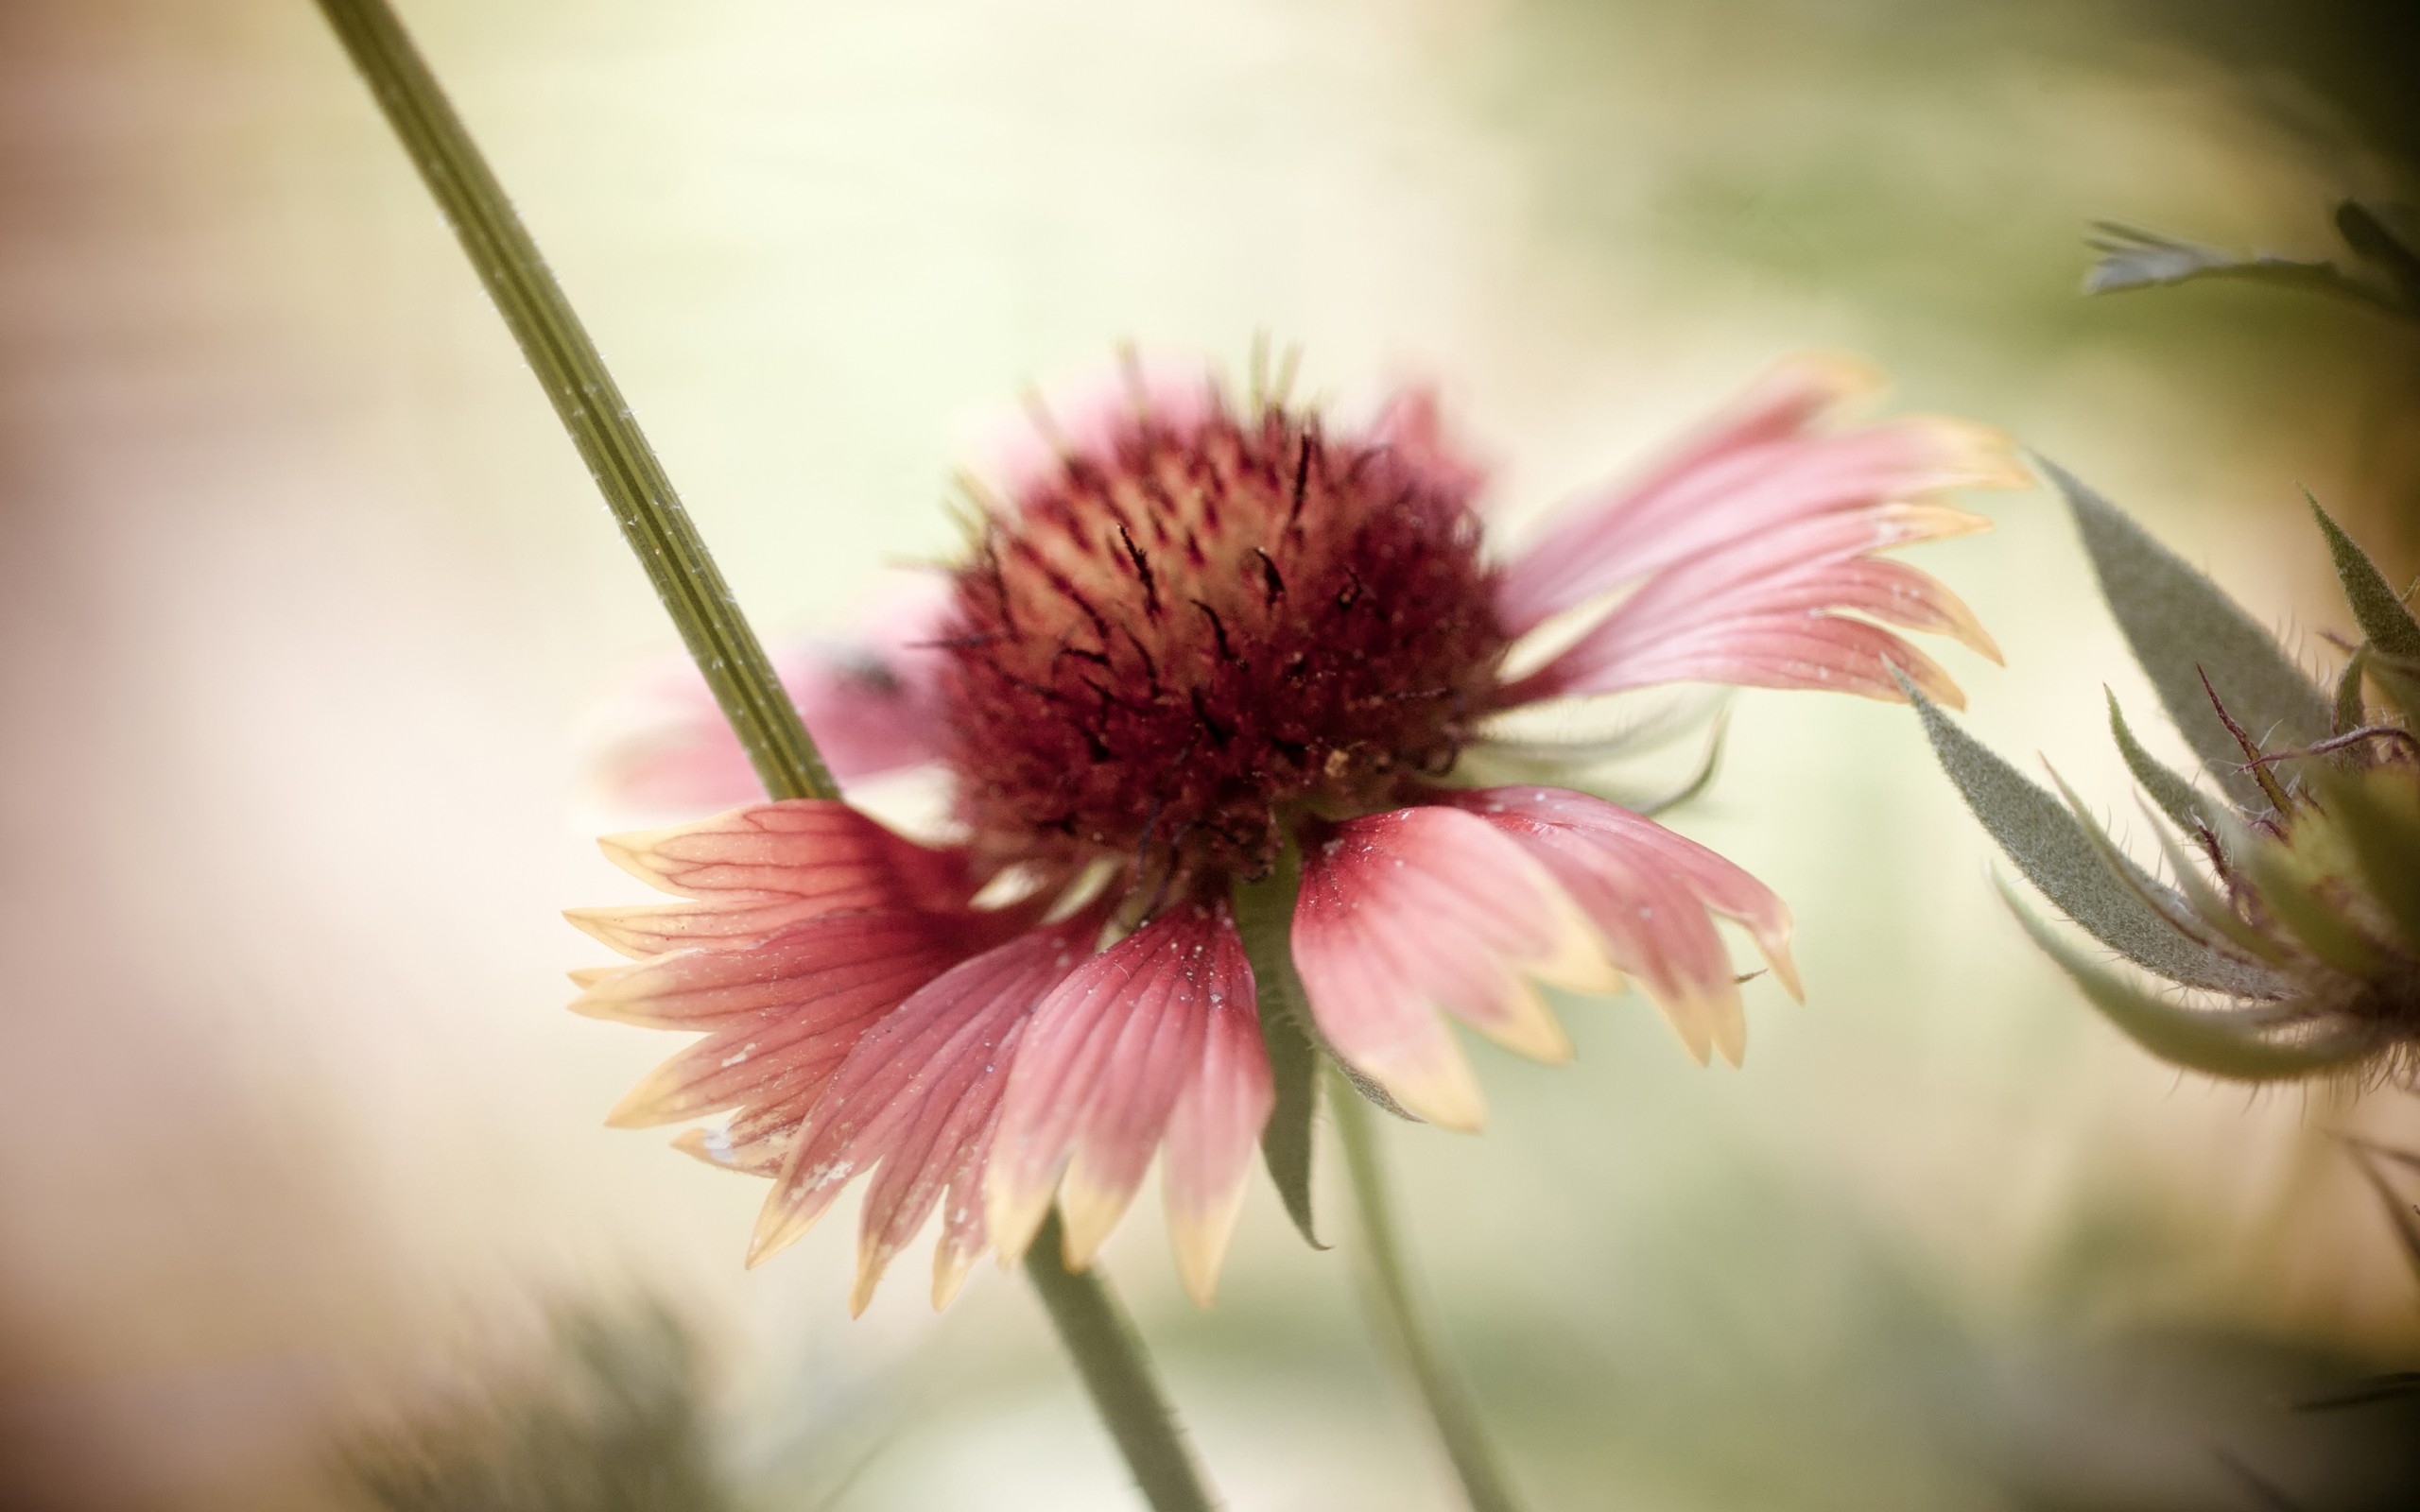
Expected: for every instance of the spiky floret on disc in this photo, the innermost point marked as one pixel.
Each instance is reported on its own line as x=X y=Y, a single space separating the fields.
x=1206 y=618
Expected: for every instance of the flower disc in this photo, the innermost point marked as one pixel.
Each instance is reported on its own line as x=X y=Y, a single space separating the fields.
x=1198 y=620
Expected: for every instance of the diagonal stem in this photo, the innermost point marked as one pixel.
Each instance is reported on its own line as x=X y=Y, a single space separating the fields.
x=1392 y=1294
x=586 y=399
x=1110 y=1358
x=1117 y=1376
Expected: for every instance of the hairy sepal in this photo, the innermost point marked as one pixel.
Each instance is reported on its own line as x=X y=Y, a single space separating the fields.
x=2184 y=628
x=2057 y=855
x=2233 y=1044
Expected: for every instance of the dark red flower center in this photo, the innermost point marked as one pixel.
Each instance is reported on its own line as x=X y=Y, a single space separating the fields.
x=1196 y=626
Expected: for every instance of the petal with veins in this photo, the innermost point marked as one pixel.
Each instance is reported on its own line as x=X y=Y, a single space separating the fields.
x=1427 y=906
x=1768 y=469
x=1653 y=895
x=812 y=850
x=915 y=1098
x=1212 y=1136
x=835 y=965
x=1104 y=1063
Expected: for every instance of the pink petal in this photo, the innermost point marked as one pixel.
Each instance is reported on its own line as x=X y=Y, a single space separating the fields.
x=845 y=958
x=781 y=1015
x=1425 y=906
x=1764 y=470
x=1652 y=895
x=1212 y=1135
x=1104 y=1063
x=1788 y=649
x=801 y=850
x=871 y=704
x=1760 y=613
x=1409 y=425
x=915 y=1098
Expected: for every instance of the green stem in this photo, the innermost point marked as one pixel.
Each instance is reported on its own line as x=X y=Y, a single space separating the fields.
x=1117 y=1376
x=586 y=399
x=1107 y=1352
x=1392 y=1294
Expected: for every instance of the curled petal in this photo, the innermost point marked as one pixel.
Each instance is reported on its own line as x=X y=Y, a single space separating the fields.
x=915 y=1099
x=1104 y=1063
x=1765 y=466
x=1424 y=908
x=872 y=701
x=1788 y=649
x=1653 y=895
x=813 y=852
x=1763 y=610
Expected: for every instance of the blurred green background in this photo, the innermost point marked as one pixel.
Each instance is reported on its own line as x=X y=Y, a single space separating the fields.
x=306 y=600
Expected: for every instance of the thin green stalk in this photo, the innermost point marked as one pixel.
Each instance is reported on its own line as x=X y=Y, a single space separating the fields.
x=1110 y=1358
x=584 y=396
x=1117 y=1376
x=1393 y=1296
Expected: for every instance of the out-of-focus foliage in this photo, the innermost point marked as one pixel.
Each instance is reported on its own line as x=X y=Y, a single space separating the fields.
x=2308 y=926
x=2387 y=277
x=610 y=1419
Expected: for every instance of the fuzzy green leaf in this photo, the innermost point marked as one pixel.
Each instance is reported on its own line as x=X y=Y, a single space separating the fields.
x=2183 y=626
x=2229 y=1043
x=2172 y=792
x=2351 y=712
x=2213 y=908
x=2377 y=607
x=2299 y=905
x=2398 y=677
x=2386 y=843
x=1264 y=918
x=2057 y=855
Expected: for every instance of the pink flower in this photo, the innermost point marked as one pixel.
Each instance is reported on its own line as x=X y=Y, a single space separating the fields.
x=1193 y=642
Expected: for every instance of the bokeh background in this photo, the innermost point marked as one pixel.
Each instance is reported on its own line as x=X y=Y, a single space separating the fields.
x=308 y=605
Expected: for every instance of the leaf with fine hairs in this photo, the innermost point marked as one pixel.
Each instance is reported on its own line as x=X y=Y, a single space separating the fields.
x=2057 y=855
x=2228 y=1043
x=2172 y=792
x=2377 y=607
x=2385 y=838
x=2183 y=627
x=2398 y=677
x=2349 y=707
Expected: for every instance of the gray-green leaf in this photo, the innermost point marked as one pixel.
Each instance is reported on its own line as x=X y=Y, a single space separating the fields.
x=2377 y=607
x=2232 y=1043
x=2172 y=792
x=2133 y=258
x=2052 y=847
x=2350 y=708
x=2398 y=677
x=2388 y=845
x=2183 y=626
